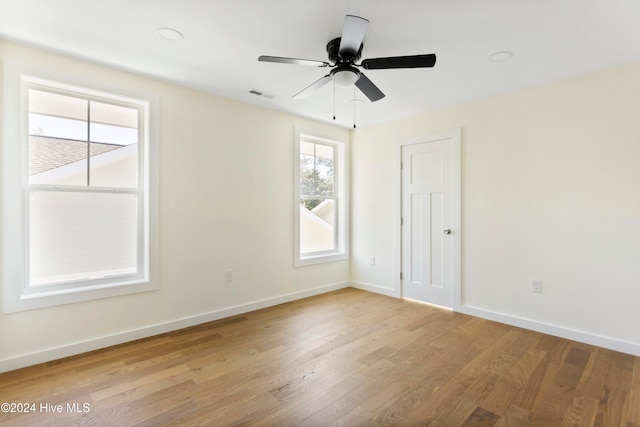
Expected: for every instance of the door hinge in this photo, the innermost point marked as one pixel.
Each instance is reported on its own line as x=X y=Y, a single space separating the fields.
x=401 y=275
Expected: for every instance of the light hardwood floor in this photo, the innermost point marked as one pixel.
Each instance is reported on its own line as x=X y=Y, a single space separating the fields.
x=346 y=358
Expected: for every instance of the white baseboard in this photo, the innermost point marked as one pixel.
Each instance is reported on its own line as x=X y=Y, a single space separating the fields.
x=48 y=355
x=533 y=325
x=558 y=331
x=375 y=289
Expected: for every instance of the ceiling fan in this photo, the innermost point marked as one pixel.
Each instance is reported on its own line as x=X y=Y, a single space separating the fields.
x=343 y=53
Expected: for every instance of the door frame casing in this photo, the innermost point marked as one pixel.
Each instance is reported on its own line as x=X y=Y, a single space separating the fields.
x=455 y=135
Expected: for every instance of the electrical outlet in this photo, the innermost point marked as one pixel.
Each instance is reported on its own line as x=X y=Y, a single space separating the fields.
x=228 y=275
x=372 y=260
x=536 y=286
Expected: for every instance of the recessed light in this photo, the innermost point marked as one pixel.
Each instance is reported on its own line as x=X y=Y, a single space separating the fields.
x=501 y=56
x=170 y=34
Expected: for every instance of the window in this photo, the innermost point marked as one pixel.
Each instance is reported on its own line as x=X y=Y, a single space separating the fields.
x=320 y=205
x=84 y=184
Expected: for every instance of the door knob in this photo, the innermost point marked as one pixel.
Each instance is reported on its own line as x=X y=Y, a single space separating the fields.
x=447 y=231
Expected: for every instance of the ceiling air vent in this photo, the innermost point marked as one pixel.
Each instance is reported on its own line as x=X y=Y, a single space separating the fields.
x=261 y=94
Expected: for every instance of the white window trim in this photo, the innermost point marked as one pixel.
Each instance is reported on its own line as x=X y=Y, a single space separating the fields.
x=341 y=171
x=15 y=297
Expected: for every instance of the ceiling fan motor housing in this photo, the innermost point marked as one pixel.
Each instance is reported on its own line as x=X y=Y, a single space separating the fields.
x=333 y=50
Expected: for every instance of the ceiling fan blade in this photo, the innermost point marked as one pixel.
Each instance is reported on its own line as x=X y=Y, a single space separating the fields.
x=413 y=61
x=369 y=89
x=295 y=61
x=313 y=87
x=353 y=33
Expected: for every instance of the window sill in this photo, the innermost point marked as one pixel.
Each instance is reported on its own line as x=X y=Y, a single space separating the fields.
x=48 y=298
x=320 y=259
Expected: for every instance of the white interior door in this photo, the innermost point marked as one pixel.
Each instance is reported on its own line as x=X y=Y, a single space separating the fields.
x=429 y=221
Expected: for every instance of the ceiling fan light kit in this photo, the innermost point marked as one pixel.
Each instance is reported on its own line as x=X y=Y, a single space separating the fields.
x=343 y=52
x=345 y=77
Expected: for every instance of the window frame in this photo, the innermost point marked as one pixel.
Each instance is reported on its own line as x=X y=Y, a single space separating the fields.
x=18 y=295
x=341 y=186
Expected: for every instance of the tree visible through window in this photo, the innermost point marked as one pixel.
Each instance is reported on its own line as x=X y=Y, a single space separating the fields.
x=316 y=174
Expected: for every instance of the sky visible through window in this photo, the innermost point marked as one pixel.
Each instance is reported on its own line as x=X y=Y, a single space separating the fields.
x=59 y=127
x=76 y=118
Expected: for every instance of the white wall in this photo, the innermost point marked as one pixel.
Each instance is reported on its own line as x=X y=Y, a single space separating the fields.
x=550 y=190
x=226 y=202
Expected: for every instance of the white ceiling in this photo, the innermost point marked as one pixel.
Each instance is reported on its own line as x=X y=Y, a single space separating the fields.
x=551 y=39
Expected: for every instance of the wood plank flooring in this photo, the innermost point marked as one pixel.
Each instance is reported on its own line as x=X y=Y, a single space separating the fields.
x=346 y=358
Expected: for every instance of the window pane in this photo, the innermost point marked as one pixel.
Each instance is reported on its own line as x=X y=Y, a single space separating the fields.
x=114 y=165
x=113 y=124
x=317 y=220
x=59 y=116
x=114 y=148
x=57 y=139
x=316 y=170
x=57 y=161
x=76 y=235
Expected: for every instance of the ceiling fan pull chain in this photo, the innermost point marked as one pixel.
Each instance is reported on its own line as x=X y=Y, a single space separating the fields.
x=354 y=107
x=334 y=99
